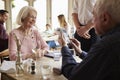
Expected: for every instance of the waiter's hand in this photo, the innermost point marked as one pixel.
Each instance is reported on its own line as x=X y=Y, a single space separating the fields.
x=83 y=32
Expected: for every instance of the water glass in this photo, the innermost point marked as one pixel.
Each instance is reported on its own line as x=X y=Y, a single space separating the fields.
x=46 y=71
x=57 y=56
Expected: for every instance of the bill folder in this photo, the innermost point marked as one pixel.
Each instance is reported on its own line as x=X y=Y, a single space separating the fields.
x=52 y=54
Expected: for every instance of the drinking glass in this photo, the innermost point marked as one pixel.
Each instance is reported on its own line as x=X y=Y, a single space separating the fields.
x=45 y=70
x=57 y=56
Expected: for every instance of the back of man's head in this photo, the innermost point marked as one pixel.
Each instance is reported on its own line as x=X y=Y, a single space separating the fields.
x=110 y=6
x=2 y=12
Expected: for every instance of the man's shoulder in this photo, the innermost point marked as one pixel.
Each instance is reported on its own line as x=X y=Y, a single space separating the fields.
x=112 y=37
x=110 y=41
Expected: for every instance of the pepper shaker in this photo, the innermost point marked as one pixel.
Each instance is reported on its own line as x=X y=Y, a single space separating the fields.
x=33 y=67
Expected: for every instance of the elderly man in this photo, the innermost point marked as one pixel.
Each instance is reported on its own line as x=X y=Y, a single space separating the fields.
x=103 y=60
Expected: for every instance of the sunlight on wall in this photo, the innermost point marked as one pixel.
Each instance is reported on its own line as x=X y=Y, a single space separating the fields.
x=1 y=4
x=40 y=6
x=59 y=7
x=18 y=5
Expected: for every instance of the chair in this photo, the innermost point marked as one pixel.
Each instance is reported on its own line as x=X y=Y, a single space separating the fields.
x=4 y=55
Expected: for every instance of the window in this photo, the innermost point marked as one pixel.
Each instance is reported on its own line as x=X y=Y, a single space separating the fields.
x=57 y=7
x=40 y=6
x=1 y=4
x=18 y=4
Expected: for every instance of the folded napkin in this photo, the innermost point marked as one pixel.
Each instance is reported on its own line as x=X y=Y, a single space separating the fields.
x=8 y=67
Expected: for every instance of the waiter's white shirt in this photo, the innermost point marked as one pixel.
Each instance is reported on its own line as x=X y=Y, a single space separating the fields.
x=84 y=9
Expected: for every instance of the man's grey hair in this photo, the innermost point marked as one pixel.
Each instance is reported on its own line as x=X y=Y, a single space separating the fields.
x=112 y=7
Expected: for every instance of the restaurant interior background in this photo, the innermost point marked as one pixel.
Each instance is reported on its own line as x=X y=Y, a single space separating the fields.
x=48 y=10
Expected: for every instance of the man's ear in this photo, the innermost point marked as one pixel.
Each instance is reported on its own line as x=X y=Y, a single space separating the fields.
x=105 y=18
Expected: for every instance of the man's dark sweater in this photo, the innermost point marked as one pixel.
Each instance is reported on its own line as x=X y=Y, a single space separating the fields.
x=101 y=63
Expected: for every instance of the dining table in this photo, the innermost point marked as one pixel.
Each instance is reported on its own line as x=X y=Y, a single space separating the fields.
x=38 y=75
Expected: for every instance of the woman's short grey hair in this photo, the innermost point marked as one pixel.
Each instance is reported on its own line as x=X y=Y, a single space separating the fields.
x=24 y=13
x=110 y=6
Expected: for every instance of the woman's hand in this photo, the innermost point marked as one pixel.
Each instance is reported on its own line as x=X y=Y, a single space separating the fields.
x=32 y=55
x=36 y=53
x=44 y=51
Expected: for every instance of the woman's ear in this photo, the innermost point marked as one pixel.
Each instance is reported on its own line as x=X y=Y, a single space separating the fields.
x=22 y=20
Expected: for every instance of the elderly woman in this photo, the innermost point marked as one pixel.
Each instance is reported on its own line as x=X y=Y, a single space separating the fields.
x=28 y=35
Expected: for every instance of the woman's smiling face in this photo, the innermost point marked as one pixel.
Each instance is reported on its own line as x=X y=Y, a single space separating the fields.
x=30 y=20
